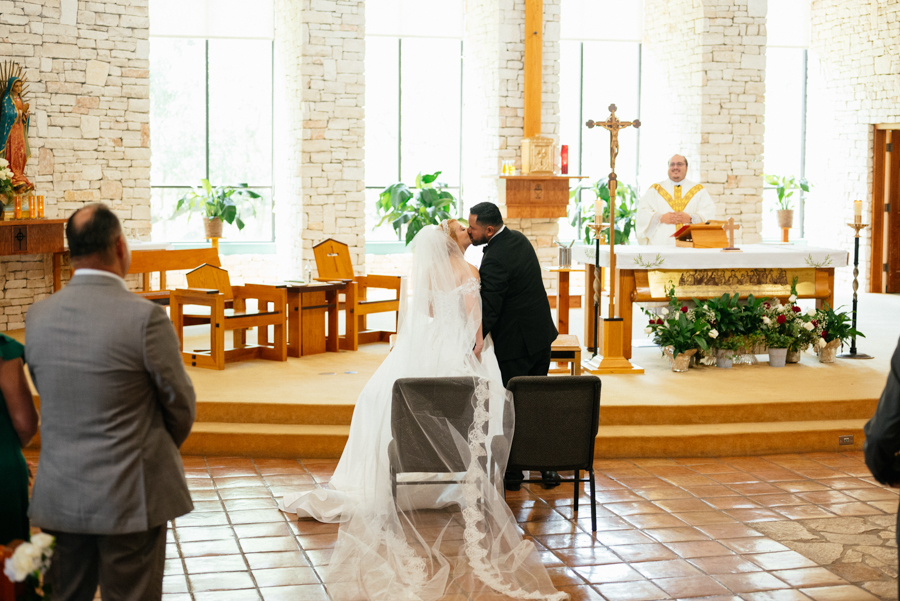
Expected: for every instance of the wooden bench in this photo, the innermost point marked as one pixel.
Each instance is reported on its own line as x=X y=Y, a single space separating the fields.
x=148 y=262
x=566 y=349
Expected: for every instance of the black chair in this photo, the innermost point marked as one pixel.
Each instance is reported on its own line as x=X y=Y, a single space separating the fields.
x=424 y=412
x=556 y=424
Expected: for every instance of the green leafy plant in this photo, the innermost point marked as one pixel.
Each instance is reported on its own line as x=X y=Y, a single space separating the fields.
x=222 y=202
x=626 y=210
x=429 y=203
x=775 y=339
x=678 y=327
x=834 y=325
x=785 y=186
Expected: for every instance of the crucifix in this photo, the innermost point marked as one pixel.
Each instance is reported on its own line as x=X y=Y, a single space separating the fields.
x=614 y=360
x=729 y=227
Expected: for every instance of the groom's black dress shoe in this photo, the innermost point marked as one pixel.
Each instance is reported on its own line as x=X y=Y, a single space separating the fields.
x=512 y=481
x=550 y=479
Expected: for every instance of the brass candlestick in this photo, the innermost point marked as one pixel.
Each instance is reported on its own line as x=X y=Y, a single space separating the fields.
x=857 y=226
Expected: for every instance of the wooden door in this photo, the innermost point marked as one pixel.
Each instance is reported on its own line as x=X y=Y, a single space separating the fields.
x=885 y=269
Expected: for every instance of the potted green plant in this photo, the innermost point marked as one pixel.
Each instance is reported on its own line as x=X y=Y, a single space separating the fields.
x=778 y=344
x=784 y=187
x=679 y=332
x=218 y=204
x=582 y=213
x=429 y=203
x=724 y=317
x=832 y=328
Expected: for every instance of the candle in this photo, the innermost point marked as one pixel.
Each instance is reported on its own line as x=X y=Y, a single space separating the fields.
x=17 y=208
x=564 y=159
x=857 y=208
x=598 y=211
x=40 y=206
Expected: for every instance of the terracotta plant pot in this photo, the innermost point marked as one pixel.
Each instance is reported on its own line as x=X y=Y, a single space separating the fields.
x=213 y=227
x=777 y=357
x=785 y=218
x=828 y=353
x=793 y=357
x=682 y=362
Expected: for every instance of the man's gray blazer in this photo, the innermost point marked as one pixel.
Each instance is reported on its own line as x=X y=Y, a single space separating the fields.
x=116 y=404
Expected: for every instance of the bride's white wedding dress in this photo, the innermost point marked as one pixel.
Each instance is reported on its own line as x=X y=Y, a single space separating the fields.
x=456 y=540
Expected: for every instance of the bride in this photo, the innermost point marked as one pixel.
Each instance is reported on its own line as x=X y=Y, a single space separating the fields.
x=446 y=534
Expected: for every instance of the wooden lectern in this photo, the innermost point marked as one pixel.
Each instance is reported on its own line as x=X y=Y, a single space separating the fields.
x=702 y=235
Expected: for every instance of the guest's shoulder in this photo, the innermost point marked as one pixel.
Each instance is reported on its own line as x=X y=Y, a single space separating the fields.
x=10 y=348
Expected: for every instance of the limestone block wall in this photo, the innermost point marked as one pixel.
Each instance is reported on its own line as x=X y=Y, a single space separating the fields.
x=494 y=104
x=853 y=82
x=88 y=72
x=332 y=90
x=703 y=96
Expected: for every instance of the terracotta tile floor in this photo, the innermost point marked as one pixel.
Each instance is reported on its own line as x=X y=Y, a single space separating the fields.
x=776 y=528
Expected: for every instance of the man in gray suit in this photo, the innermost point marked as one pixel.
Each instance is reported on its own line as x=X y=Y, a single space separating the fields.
x=116 y=405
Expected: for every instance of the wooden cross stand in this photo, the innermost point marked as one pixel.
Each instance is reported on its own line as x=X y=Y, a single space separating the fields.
x=729 y=227
x=613 y=360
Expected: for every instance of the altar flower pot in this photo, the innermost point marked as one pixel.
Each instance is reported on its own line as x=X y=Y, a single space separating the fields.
x=777 y=357
x=828 y=353
x=724 y=358
x=785 y=218
x=793 y=356
x=682 y=362
x=213 y=227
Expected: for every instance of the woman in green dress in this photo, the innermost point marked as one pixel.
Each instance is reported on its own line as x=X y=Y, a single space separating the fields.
x=18 y=425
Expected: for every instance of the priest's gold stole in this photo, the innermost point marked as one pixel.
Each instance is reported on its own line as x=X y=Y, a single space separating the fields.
x=710 y=283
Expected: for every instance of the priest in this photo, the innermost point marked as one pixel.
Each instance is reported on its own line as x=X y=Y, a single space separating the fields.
x=671 y=204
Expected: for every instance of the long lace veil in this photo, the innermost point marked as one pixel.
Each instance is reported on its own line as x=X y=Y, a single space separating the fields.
x=445 y=531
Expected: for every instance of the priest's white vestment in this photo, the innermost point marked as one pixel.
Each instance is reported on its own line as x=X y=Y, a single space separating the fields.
x=668 y=197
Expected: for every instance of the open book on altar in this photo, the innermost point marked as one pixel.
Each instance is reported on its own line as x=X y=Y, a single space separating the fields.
x=710 y=234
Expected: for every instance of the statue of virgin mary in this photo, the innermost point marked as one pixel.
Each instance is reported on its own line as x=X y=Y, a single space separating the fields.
x=14 y=121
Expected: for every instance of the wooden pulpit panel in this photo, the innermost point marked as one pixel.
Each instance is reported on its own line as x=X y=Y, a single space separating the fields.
x=702 y=235
x=536 y=197
x=211 y=277
x=333 y=260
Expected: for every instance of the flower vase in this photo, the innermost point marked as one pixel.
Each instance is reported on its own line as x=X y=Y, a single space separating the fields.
x=828 y=353
x=777 y=357
x=682 y=362
x=793 y=356
x=785 y=218
x=724 y=358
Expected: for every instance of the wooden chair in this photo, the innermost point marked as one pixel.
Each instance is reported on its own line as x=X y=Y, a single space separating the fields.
x=333 y=263
x=147 y=262
x=211 y=287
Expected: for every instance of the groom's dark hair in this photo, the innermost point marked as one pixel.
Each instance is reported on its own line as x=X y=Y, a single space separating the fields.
x=488 y=214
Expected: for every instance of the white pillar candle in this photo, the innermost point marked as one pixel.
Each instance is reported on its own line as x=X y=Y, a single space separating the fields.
x=857 y=208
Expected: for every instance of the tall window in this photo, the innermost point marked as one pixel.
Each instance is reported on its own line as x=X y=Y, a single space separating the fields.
x=413 y=97
x=210 y=109
x=785 y=118
x=587 y=47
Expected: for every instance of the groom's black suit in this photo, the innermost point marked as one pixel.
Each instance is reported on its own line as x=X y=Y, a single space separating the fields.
x=515 y=309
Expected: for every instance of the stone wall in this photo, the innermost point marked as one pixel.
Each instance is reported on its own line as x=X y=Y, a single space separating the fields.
x=88 y=72
x=853 y=82
x=494 y=104
x=332 y=142
x=703 y=96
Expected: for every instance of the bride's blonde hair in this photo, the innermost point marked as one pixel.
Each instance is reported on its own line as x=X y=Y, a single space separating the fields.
x=449 y=227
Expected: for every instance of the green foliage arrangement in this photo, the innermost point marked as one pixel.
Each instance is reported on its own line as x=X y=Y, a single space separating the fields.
x=785 y=186
x=626 y=210
x=833 y=325
x=222 y=202
x=429 y=203
x=678 y=327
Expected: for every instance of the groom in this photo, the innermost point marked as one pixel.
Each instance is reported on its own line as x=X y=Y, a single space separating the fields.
x=515 y=309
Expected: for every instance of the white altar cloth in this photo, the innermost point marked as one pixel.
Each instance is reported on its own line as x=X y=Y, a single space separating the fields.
x=758 y=256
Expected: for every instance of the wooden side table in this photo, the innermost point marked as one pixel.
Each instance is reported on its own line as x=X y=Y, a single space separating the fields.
x=35 y=237
x=566 y=349
x=309 y=306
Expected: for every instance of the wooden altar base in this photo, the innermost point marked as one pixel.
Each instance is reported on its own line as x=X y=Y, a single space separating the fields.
x=303 y=407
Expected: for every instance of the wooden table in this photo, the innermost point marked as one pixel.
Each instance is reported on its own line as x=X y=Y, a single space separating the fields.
x=764 y=270
x=309 y=307
x=562 y=296
x=35 y=237
x=567 y=349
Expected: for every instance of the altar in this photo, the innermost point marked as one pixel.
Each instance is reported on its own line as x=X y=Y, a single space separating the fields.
x=644 y=273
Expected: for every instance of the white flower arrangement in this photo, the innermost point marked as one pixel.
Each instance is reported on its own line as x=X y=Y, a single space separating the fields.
x=766 y=320
x=648 y=330
x=821 y=343
x=30 y=559
x=792 y=298
x=811 y=313
x=808 y=326
x=713 y=334
x=4 y=163
x=664 y=311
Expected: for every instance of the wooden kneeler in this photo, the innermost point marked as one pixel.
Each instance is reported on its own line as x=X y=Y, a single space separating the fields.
x=211 y=287
x=333 y=263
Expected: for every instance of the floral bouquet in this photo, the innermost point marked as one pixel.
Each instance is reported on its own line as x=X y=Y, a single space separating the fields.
x=680 y=329
x=781 y=324
x=830 y=325
x=29 y=563
x=6 y=186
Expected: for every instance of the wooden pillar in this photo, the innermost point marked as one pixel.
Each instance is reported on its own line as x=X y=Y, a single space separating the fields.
x=534 y=60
